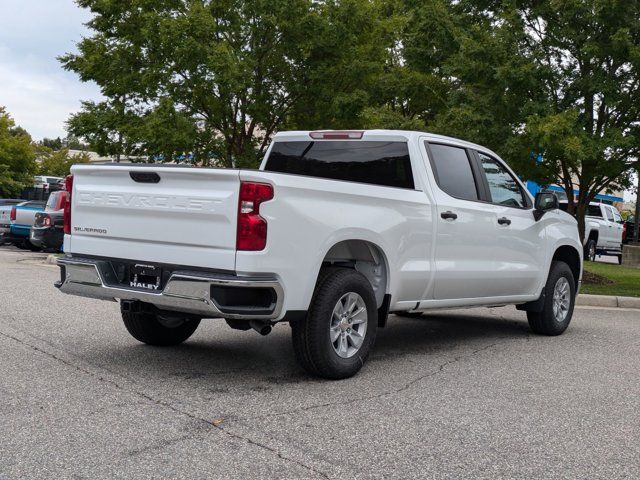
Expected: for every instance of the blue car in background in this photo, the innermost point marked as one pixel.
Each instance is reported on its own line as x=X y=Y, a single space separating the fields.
x=23 y=217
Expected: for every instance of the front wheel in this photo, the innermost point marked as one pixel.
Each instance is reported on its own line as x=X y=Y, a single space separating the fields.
x=560 y=297
x=153 y=329
x=334 y=339
x=590 y=251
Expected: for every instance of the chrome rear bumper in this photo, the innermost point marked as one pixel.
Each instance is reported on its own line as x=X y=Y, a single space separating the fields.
x=185 y=291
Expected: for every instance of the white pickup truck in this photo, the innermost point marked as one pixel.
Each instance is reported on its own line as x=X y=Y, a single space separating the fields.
x=336 y=230
x=603 y=231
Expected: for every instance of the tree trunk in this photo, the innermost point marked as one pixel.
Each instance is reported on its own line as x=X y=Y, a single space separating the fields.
x=636 y=227
x=581 y=210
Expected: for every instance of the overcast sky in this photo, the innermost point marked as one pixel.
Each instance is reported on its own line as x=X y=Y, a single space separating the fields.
x=34 y=88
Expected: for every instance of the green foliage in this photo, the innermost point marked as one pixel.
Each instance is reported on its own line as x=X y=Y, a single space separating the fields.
x=556 y=78
x=17 y=157
x=58 y=143
x=58 y=163
x=216 y=79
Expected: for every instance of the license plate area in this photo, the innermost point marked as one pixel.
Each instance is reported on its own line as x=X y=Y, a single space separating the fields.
x=145 y=277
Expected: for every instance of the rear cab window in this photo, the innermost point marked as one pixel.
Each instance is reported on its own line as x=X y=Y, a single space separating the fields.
x=384 y=163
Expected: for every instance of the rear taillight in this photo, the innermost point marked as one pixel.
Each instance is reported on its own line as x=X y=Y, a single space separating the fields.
x=624 y=231
x=67 y=206
x=13 y=214
x=46 y=221
x=252 y=228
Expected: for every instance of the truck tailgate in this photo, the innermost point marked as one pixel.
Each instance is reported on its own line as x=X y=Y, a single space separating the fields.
x=168 y=215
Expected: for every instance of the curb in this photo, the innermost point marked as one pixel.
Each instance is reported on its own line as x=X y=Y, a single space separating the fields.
x=607 y=301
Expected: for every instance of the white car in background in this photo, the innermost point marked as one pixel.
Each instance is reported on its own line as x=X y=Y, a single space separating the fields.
x=335 y=230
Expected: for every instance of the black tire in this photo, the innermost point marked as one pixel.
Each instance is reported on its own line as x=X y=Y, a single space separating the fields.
x=311 y=336
x=544 y=322
x=147 y=328
x=32 y=247
x=619 y=259
x=590 y=251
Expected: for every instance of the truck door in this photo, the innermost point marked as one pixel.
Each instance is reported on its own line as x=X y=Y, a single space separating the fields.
x=614 y=227
x=518 y=243
x=465 y=228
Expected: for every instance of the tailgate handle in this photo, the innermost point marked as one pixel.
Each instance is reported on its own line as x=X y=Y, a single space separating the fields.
x=145 y=177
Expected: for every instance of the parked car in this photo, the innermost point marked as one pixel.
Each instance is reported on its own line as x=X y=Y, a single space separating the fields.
x=45 y=182
x=47 y=231
x=5 y=217
x=56 y=202
x=22 y=218
x=603 y=231
x=335 y=230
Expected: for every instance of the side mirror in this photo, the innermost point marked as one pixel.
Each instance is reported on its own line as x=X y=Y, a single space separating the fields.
x=545 y=201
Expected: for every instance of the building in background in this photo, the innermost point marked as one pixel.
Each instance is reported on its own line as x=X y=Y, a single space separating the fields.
x=612 y=198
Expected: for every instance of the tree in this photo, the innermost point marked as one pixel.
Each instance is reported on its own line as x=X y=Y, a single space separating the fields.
x=17 y=157
x=216 y=79
x=70 y=141
x=58 y=163
x=457 y=69
x=586 y=123
x=52 y=143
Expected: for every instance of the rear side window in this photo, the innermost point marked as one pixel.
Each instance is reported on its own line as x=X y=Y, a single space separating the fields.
x=378 y=163
x=453 y=172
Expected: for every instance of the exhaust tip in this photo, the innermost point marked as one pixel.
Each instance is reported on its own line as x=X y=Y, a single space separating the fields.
x=260 y=327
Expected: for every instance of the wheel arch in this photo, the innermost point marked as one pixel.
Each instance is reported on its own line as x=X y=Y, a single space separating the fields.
x=569 y=255
x=364 y=256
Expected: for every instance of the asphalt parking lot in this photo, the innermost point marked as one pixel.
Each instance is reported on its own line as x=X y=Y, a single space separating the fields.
x=461 y=394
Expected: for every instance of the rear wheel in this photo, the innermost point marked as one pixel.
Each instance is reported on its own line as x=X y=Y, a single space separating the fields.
x=153 y=329
x=335 y=338
x=560 y=296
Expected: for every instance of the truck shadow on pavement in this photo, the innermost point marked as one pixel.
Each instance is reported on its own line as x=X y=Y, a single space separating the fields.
x=217 y=351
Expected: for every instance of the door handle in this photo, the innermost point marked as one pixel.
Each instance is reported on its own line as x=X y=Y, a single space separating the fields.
x=504 y=221
x=448 y=215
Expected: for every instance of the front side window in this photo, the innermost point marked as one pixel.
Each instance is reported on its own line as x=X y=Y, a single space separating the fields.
x=452 y=170
x=379 y=163
x=609 y=214
x=617 y=217
x=503 y=188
